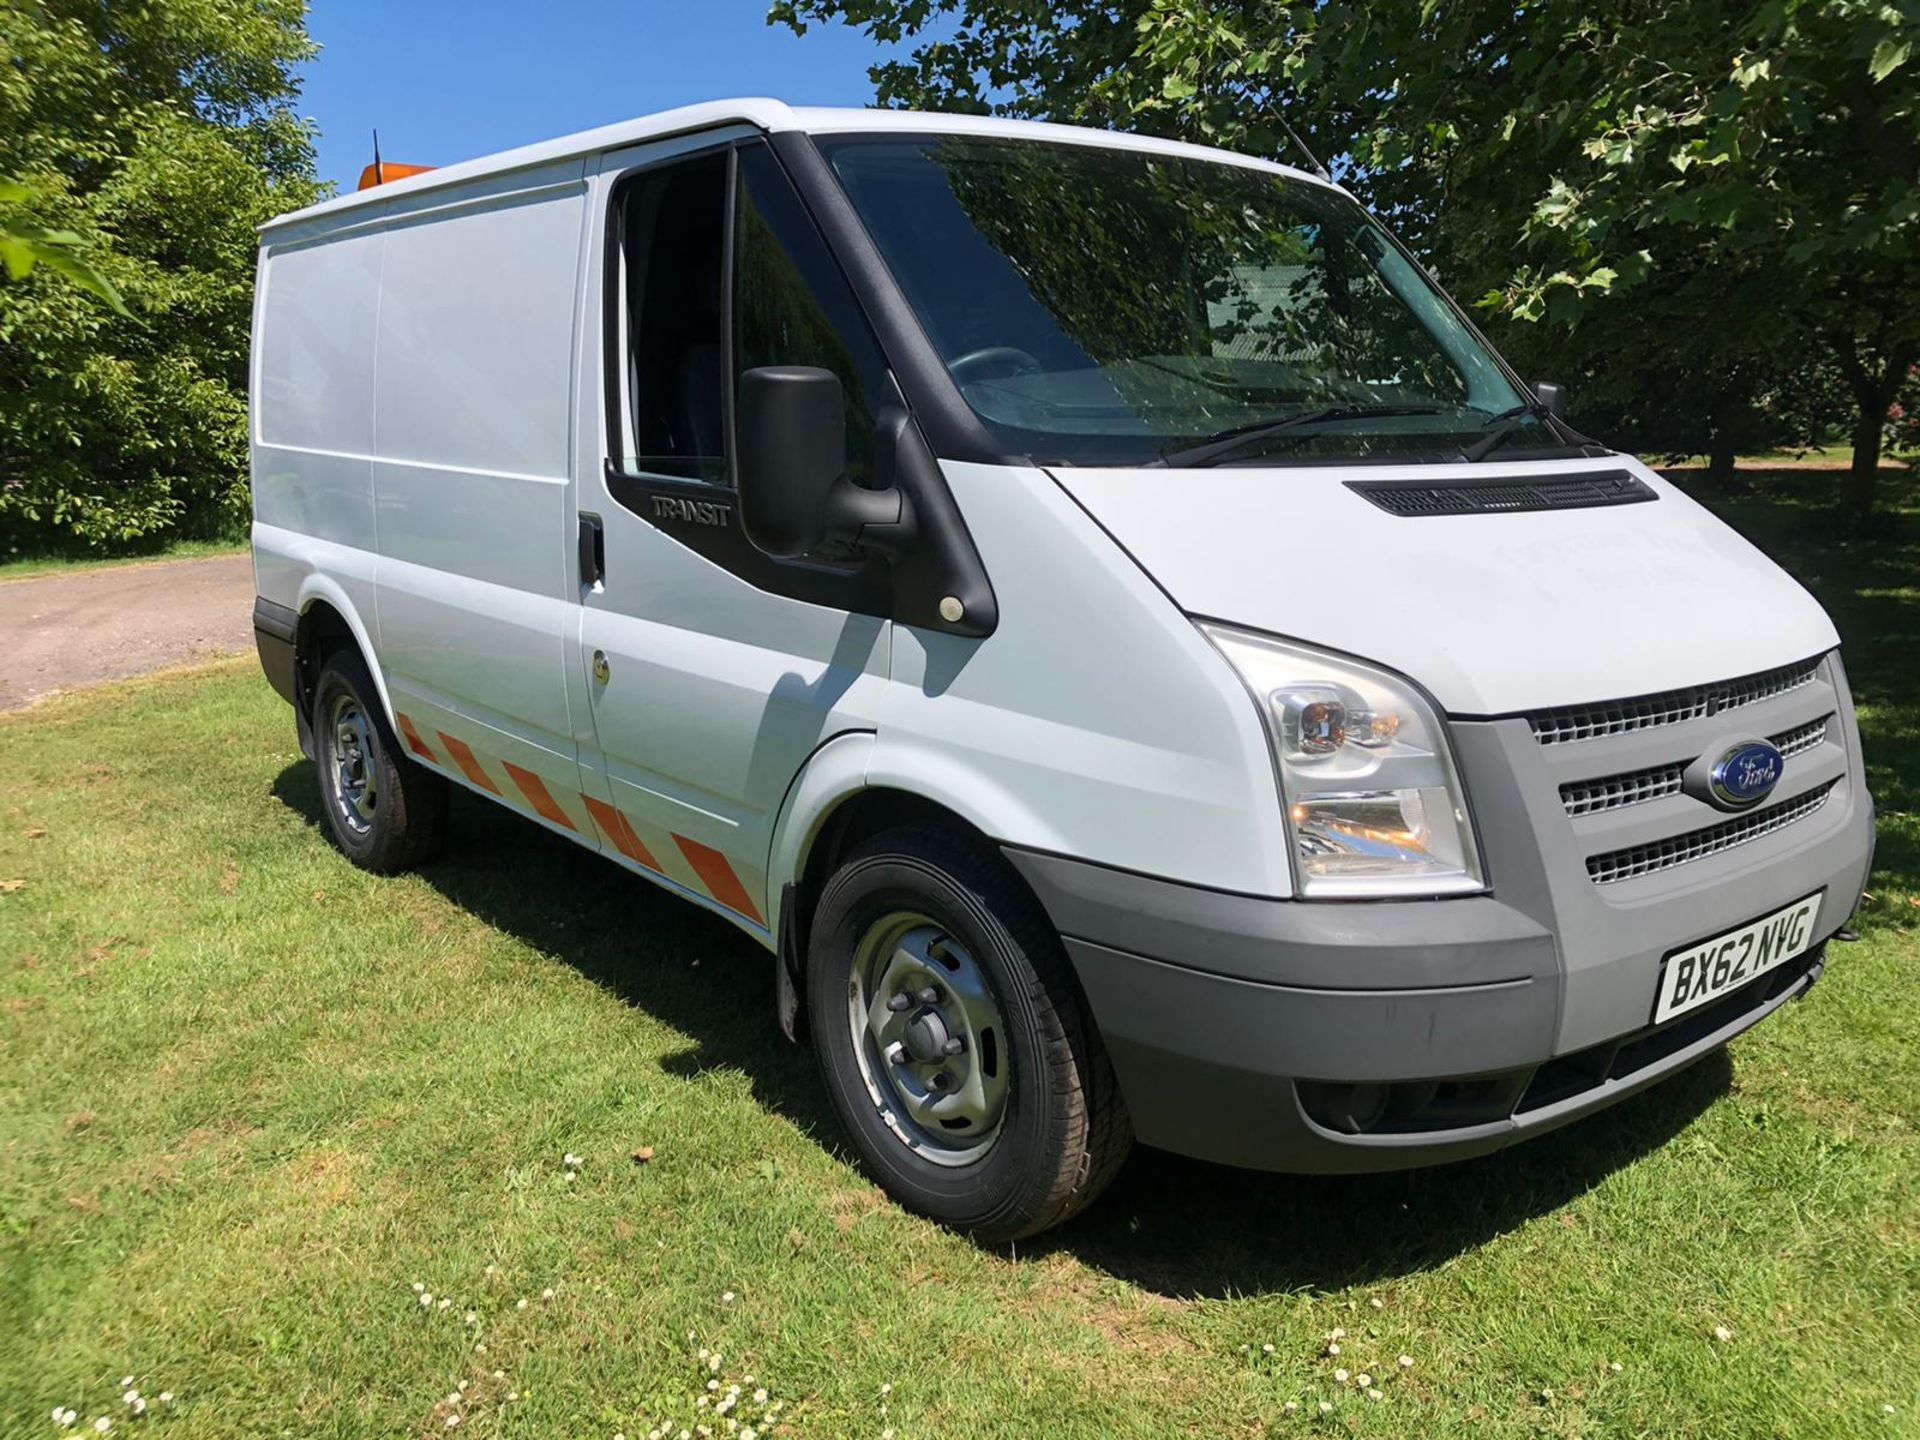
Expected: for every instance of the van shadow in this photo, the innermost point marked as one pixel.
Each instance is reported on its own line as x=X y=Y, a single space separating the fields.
x=1173 y=1226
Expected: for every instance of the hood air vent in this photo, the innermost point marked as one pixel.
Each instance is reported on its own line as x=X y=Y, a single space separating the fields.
x=1415 y=498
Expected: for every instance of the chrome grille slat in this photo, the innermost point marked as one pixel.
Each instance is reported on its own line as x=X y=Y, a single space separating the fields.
x=1611 y=792
x=1654 y=856
x=1567 y=723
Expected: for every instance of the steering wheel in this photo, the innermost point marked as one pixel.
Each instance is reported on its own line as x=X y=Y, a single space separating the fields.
x=991 y=362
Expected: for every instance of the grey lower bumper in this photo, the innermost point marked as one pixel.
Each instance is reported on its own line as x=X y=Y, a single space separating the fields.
x=1230 y=1018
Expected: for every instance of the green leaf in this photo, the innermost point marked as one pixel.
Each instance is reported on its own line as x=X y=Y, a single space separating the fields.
x=1888 y=56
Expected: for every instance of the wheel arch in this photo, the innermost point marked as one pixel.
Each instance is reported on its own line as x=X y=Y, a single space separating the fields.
x=831 y=808
x=328 y=619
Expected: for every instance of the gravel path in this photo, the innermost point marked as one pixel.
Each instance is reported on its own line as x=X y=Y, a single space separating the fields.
x=65 y=630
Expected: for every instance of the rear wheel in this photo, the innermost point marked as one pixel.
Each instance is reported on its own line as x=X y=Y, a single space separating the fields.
x=385 y=812
x=954 y=1041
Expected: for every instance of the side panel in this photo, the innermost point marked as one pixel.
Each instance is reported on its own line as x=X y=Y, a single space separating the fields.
x=1095 y=722
x=472 y=419
x=312 y=415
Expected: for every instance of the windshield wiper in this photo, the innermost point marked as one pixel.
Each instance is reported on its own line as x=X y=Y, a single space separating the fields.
x=1503 y=427
x=1225 y=443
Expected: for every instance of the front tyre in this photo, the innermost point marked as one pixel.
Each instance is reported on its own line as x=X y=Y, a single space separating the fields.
x=954 y=1041
x=386 y=813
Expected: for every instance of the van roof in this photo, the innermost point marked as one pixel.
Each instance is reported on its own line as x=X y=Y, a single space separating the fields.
x=771 y=116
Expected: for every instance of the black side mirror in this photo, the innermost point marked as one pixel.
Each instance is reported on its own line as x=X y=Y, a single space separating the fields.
x=794 y=491
x=1552 y=397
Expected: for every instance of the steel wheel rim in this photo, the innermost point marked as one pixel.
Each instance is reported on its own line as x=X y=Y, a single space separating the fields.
x=944 y=1101
x=354 y=780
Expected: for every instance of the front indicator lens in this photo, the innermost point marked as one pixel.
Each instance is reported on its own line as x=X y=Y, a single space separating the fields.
x=1373 y=800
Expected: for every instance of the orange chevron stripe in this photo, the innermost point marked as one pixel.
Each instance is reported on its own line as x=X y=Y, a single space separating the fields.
x=538 y=796
x=463 y=757
x=717 y=875
x=615 y=827
x=414 y=742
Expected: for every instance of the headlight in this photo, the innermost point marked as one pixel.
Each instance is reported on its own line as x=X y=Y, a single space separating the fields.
x=1372 y=797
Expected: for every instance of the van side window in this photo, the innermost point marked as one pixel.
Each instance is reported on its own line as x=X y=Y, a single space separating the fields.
x=672 y=227
x=792 y=305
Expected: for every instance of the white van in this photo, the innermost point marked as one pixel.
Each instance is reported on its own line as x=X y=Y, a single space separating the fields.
x=1091 y=607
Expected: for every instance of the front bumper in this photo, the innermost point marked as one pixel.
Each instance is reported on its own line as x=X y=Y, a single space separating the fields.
x=1302 y=1036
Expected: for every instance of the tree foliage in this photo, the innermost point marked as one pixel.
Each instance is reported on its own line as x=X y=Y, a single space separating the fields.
x=1682 y=202
x=151 y=139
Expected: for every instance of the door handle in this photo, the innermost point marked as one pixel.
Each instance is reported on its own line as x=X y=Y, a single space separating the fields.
x=593 y=552
x=602 y=671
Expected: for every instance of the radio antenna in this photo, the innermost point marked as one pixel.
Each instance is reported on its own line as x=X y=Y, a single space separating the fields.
x=380 y=179
x=1313 y=162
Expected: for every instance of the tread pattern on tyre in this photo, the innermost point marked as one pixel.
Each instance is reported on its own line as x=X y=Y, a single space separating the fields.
x=1091 y=1133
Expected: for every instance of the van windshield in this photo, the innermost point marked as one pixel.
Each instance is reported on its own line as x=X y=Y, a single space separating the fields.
x=1101 y=306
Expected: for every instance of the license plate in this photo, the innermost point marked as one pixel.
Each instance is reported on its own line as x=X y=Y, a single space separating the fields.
x=1704 y=972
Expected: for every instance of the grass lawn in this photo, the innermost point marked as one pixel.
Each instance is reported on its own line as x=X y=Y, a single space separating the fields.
x=252 y=1100
x=23 y=567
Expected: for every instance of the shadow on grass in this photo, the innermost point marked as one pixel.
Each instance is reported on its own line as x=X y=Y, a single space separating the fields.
x=1170 y=1225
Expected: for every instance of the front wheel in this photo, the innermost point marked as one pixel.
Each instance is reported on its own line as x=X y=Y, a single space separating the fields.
x=954 y=1041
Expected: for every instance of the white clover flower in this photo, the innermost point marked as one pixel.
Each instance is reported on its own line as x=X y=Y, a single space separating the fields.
x=1326 y=1407
x=747 y=1432
x=480 y=1349
x=1376 y=1394
x=491 y=1270
x=463 y=1386
x=1266 y=1349
x=702 y=1402
x=1377 y=1303
x=499 y=1374
x=1336 y=1333
x=472 y=1317
x=705 y=1354
x=1291 y=1406
x=887 y=1389
x=125 y=1381
x=426 y=1298
x=453 y=1397
x=1333 y=1347
x=513 y=1394
x=760 y=1396
x=129 y=1397
x=713 y=1384
x=547 y=1294
x=452 y=1420
x=726 y=1297
x=1363 y=1380
x=166 y=1397
x=445 y=1302
x=140 y=1406
x=1886 y=1409
x=521 y=1303
x=1340 y=1376
x=57 y=1414
x=1616 y=1367
x=1722 y=1334
x=418 y=1288
x=103 y=1424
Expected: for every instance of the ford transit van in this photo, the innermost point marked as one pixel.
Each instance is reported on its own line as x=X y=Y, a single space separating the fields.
x=1092 y=608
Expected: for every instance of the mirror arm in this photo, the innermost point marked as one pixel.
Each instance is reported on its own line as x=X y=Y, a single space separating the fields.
x=880 y=518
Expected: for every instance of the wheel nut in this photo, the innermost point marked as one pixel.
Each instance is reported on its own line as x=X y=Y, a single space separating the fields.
x=954 y=1046
x=900 y=1003
x=897 y=1054
x=930 y=995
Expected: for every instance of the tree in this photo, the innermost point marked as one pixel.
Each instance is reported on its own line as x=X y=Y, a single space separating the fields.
x=153 y=138
x=1706 y=190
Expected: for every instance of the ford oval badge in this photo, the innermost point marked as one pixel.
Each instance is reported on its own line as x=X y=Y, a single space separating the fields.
x=1745 y=775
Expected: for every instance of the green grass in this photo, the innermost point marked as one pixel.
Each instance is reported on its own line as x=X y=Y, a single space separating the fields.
x=26 y=566
x=249 y=1096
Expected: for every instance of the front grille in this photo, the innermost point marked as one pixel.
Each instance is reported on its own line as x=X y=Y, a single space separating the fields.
x=1615 y=717
x=1611 y=792
x=1414 y=498
x=1657 y=855
x=1588 y=797
x=1805 y=738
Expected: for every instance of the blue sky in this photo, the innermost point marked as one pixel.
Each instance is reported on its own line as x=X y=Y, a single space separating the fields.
x=446 y=80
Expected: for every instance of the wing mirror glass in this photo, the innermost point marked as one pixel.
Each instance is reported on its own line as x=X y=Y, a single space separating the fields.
x=1553 y=397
